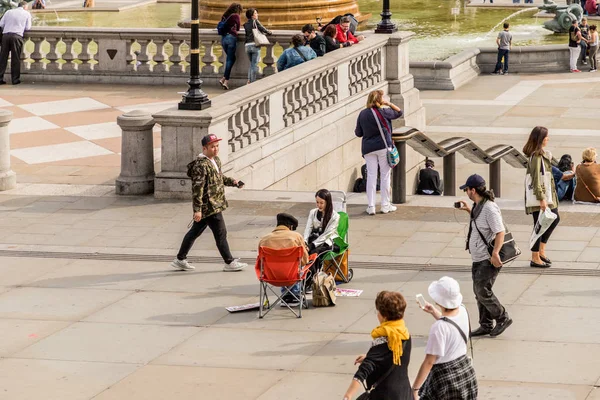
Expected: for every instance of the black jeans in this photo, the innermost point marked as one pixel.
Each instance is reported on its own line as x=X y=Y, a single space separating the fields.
x=546 y=236
x=502 y=53
x=216 y=223
x=484 y=275
x=13 y=44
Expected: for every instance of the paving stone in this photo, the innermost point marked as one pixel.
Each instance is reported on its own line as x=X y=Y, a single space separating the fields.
x=500 y=390
x=535 y=360
x=116 y=343
x=55 y=304
x=59 y=380
x=271 y=349
x=18 y=334
x=293 y=386
x=562 y=291
x=159 y=382
x=22 y=270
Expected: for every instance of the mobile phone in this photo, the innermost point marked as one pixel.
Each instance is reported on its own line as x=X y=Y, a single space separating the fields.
x=240 y=184
x=458 y=204
x=421 y=300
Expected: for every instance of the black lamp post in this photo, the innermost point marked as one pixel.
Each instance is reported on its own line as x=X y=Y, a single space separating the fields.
x=195 y=98
x=386 y=25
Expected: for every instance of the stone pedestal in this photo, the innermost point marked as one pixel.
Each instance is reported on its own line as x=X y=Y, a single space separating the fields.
x=137 y=154
x=8 y=179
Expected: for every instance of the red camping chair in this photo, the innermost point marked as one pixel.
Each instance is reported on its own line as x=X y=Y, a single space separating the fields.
x=281 y=268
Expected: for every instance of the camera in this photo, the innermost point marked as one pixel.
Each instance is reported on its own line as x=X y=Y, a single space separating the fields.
x=458 y=204
x=240 y=184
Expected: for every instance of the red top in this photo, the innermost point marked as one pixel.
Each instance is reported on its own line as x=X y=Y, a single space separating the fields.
x=233 y=24
x=341 y=37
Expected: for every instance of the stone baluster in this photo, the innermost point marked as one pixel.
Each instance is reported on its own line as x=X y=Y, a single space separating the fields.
x=68 y=55
x=251 y=119
x=209 y=58
x=36 y=56
x=129 y=58
x=142 y=56
x=8 y=179
x=51 y=56
x=160 y=57
x=85 y=56
x=24 y=56
x=137 y=154
x=269 y=61
x=263 y=116
x=222 y=59
x=175 y=58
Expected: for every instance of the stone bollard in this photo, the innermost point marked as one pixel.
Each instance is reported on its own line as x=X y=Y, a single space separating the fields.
x=8 y=179
x=137 y=154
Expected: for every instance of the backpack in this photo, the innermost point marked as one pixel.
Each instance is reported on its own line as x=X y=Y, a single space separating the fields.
x=323 y=290
x=222 y=26
x=360 y=185
x=190 y=168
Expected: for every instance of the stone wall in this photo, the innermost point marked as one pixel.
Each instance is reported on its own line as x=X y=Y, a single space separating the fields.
x=295 y=129
x=459 y=69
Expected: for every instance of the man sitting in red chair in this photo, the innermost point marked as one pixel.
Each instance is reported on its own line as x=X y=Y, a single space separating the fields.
x=284 y=237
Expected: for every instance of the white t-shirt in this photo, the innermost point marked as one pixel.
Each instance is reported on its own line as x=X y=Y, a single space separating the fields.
x=445 y=341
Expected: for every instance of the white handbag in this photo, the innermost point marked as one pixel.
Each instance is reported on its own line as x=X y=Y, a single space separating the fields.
x=259 y=38
x=530 y=198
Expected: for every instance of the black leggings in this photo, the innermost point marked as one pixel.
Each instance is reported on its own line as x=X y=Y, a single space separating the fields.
x=544 y=238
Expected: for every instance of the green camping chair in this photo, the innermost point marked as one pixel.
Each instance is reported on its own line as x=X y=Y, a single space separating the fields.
x=340 y=247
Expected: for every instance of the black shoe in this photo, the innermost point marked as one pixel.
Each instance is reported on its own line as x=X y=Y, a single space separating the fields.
x=16 y=82
x=481 y=331
x=501 y=327
x=546 y=260
x=308 y=289
x=536 y=265
x=2 y=82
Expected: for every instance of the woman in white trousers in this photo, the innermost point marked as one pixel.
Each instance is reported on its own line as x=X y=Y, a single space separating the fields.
x=375 y=144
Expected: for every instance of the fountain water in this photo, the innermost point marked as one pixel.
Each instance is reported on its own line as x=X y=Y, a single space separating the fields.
x=506 y=19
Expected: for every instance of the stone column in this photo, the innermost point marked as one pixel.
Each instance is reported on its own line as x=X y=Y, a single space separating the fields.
x=8 y=179
x=137 y=154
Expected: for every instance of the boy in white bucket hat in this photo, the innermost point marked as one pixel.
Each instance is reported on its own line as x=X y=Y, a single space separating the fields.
x=446 y=372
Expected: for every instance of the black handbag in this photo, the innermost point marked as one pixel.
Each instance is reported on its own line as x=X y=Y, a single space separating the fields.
x=509 y=250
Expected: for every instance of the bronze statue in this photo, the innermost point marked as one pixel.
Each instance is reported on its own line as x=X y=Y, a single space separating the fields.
x=563 y=16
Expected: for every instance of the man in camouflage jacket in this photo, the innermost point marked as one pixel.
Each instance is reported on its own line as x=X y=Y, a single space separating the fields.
x=208 y=191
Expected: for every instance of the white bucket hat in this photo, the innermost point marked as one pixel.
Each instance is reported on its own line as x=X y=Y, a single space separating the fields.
x=446 y=292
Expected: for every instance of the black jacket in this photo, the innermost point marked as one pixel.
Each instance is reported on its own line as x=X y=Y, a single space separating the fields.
x=429 y=179
x=249 y=25
x=318 y=45
x=379 y=359
x=331 y=44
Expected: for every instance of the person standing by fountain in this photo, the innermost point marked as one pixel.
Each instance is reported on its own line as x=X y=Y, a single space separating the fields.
x=593 y=48
x=232 y=21
x=504 y=42
x=574 y=49
x=252 y=50
x=585 y=36
x=13 y=23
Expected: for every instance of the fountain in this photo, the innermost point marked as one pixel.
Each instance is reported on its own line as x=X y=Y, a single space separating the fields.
x=506 y=19
x=563 y=16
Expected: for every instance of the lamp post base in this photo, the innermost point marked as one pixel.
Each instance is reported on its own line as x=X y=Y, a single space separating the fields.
x=195 y=98
x=386 y=28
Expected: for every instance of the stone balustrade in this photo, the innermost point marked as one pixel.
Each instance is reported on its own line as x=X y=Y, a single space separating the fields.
x=143 y=56
x=294 y=124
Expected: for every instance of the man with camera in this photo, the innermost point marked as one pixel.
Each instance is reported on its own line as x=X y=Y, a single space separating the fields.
x=486 y=226
x=208 y=192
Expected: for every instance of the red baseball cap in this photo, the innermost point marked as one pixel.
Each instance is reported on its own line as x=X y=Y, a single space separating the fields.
x=208 y=139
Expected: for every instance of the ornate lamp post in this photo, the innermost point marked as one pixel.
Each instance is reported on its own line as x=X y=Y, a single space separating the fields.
x=195 y=98
x=386 y=25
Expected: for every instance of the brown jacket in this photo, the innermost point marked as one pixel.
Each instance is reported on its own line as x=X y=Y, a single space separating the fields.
x=588 y=180
x=283 y=238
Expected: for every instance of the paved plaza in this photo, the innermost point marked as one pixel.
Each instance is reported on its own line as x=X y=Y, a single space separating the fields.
x=90 y=309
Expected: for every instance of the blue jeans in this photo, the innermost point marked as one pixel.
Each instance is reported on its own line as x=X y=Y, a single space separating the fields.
x=502 y=53
x=253 y=53
x=294 y=289
x=229 y=44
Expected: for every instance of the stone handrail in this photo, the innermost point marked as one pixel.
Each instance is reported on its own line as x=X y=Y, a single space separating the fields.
x=135 y=55
x=448 y=148
x=266 y=111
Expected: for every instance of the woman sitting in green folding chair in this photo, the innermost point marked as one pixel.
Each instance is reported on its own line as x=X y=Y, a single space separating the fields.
x=321 y=228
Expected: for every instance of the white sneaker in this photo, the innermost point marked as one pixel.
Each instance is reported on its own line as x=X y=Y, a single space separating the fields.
x=371 y=210
x=182 y=265
x=236 y=265
x=388 y=209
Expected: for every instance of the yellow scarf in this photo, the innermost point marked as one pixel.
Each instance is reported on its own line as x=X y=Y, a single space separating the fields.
x=396 y=332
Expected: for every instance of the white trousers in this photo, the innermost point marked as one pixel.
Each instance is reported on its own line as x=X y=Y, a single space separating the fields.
x=374 y=159
x=574 y=56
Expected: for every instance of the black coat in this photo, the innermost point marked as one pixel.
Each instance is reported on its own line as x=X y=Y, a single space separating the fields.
x=379 y=359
